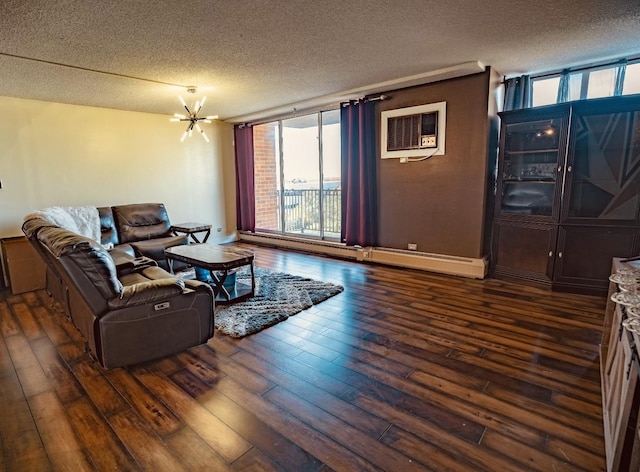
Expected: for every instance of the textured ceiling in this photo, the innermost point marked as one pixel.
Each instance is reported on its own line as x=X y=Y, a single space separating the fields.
x=249 y=56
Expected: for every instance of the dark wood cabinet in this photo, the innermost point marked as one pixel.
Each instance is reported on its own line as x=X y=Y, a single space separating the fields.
x=568 y=193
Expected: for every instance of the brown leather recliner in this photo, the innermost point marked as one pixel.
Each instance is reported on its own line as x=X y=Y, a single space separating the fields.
x=139 y=229
x=135 y=315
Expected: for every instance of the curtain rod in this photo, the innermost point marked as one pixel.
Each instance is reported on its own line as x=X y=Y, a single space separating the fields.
x=292 y=114
x=295 y=112
x=369 y=99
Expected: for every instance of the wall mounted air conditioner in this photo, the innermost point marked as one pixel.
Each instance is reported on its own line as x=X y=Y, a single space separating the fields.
x=413 y=131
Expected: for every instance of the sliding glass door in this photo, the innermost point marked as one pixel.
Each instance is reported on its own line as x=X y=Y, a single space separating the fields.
x=297 y=175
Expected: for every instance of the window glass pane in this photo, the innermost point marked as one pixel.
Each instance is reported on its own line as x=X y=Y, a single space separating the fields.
x=575 y=86
x=601 y=83
x=267 y=176
x=545 y=91
x=530 y=167
x=301 y=165
x=631 y=79
x=331 y=172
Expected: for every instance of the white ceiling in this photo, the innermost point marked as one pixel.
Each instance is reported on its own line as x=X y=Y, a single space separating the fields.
x=248 y=56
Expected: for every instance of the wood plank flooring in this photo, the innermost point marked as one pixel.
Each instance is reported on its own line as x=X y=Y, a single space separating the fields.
x=405 y=370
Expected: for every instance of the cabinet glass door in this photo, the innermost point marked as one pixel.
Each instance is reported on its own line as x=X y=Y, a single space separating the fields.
x=604 y=167
x=530 y=167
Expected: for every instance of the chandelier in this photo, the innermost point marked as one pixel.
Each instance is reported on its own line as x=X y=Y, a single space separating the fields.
x=192 y=117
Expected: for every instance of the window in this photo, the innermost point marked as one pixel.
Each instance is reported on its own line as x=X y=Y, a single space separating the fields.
x=297 y=175
x=602 y=83
x=545 y=91
x=586 y=83
x=631 y=79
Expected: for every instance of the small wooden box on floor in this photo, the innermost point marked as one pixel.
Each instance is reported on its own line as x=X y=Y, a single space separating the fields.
x=23 y=266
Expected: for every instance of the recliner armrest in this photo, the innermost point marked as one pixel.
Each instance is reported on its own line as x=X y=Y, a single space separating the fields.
x=132 y=264
x=144 y=293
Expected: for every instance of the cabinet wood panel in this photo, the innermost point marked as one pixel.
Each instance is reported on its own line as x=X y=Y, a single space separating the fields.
x=23 y=265
x=585 y=254
x=522 y=250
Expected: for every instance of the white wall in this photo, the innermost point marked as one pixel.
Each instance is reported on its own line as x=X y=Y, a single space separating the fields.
x=57 y=154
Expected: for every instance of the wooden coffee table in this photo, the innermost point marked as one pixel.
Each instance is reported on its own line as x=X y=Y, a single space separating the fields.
x=219 y=260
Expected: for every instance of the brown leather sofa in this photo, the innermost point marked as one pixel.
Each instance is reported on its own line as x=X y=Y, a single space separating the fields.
x=128 y=308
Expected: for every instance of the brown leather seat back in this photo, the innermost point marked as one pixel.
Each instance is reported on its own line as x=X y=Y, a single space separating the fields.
x=140 y=221
x=85 y=264
x=108 y=231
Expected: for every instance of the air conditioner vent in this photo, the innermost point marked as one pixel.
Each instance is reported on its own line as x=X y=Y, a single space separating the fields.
x=404 y=132
x=414 y=131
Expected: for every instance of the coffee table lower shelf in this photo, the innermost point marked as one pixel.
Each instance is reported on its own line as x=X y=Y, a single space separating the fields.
x=241 y=292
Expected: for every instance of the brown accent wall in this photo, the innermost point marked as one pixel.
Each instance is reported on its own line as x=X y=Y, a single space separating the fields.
x=439 y=203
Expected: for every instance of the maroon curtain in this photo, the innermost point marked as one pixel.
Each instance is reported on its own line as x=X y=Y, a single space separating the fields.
x=245 y=190
x=359 y=180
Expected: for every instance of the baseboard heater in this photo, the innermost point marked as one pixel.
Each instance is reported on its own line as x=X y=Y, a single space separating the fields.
x=289 y=242
x=452 y=265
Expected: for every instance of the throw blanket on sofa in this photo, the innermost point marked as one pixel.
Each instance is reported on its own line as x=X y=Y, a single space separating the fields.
x=83 y=220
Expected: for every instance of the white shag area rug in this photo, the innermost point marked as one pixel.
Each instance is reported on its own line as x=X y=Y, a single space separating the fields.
x=277 y=297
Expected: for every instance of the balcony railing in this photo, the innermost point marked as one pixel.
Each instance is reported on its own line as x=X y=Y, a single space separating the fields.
x=302 y=211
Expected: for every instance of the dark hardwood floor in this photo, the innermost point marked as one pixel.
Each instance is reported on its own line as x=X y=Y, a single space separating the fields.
x=404 y=370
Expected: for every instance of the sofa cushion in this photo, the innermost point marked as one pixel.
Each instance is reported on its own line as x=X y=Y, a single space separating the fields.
x=140 y=221
x=122 y=253
x=144 y=275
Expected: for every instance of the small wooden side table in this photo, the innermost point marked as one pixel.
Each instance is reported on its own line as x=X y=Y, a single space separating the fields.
x=191 y=229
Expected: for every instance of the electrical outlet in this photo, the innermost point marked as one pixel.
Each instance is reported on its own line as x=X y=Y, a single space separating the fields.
x=404 y=160
x=412 y=247
x=365 y=254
